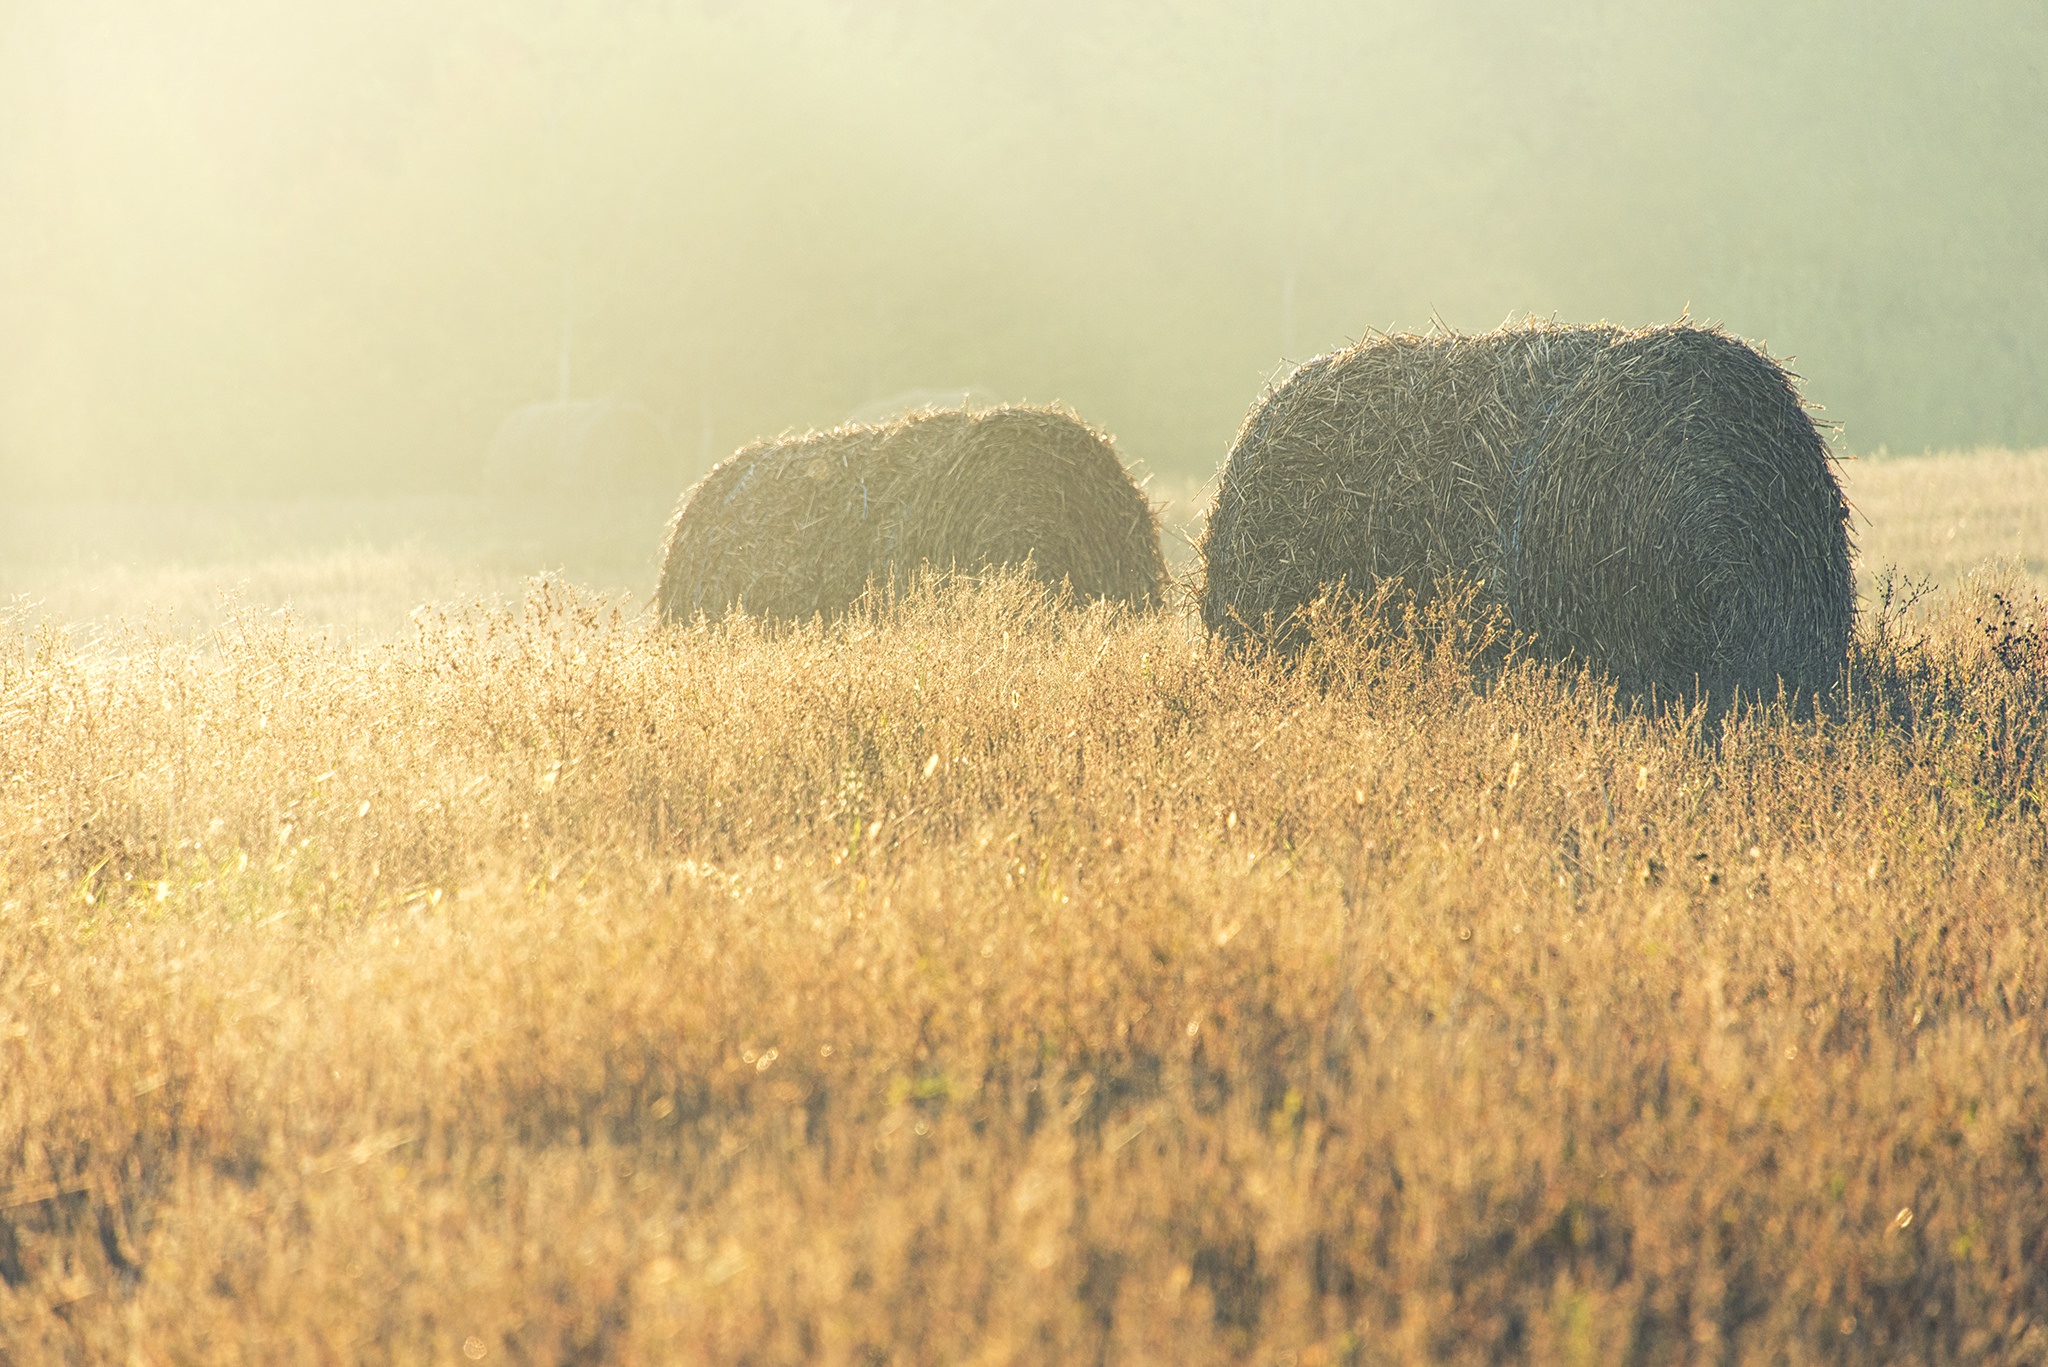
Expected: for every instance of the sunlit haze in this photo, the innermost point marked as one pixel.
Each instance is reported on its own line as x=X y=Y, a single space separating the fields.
x=261 y=248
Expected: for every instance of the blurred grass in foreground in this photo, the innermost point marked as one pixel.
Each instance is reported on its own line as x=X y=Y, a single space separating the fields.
x=976 y=981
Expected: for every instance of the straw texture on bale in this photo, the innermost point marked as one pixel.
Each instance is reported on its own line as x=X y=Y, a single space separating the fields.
x=1655 y=502
x=801 y=525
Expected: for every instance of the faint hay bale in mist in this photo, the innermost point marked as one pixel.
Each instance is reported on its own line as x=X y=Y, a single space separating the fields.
x=577 y=446
x=800 y=525
x=1656 y=502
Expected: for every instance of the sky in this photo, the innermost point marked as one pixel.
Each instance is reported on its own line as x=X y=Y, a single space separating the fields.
x=294 y=248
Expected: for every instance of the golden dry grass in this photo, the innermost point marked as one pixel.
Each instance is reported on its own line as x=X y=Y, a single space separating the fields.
x=978 y=982
x=349 y=565
x=1944 y=515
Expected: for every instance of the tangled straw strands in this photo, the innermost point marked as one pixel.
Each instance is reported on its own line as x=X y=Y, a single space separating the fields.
x=802 y=525
x=1657 y=503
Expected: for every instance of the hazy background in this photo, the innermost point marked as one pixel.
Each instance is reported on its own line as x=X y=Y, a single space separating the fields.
x=291 y=250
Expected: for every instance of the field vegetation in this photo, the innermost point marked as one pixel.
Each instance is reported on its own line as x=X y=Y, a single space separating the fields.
x=1944 y=515
x=361 y=565
x=982 y=980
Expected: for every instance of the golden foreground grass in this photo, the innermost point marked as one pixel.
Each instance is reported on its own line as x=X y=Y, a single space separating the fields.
x=979 y=982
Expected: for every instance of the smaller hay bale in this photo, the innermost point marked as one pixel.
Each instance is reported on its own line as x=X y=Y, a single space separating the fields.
x=801 y=525
x=1655 y=502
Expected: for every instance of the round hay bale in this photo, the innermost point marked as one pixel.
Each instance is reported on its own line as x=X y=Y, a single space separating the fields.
x=801 y=525
x=1656 y=502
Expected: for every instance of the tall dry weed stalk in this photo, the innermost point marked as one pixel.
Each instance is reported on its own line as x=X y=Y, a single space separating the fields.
x=977 y=980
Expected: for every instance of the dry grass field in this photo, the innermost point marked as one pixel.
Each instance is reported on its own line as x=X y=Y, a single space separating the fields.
x=1943 y=516
x=355 y=566
x=980 y=981
x=361 y=565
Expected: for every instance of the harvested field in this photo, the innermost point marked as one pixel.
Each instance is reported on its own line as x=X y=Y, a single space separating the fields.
x=1945 y=515
x=1656 y=503
x=801 y=526
x=985 y=980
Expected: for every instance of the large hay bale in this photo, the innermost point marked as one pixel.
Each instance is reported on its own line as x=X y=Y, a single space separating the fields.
x=801 y=525
x=1656 y=502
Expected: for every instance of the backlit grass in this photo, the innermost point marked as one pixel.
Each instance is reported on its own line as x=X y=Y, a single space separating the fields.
x=976 y=980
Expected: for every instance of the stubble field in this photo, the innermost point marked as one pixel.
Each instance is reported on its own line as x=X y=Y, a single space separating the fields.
x=978 y=980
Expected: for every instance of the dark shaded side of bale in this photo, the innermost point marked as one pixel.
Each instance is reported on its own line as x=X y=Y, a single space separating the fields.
x=801 y=525
x=1657 y=502
x=1682 y=524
